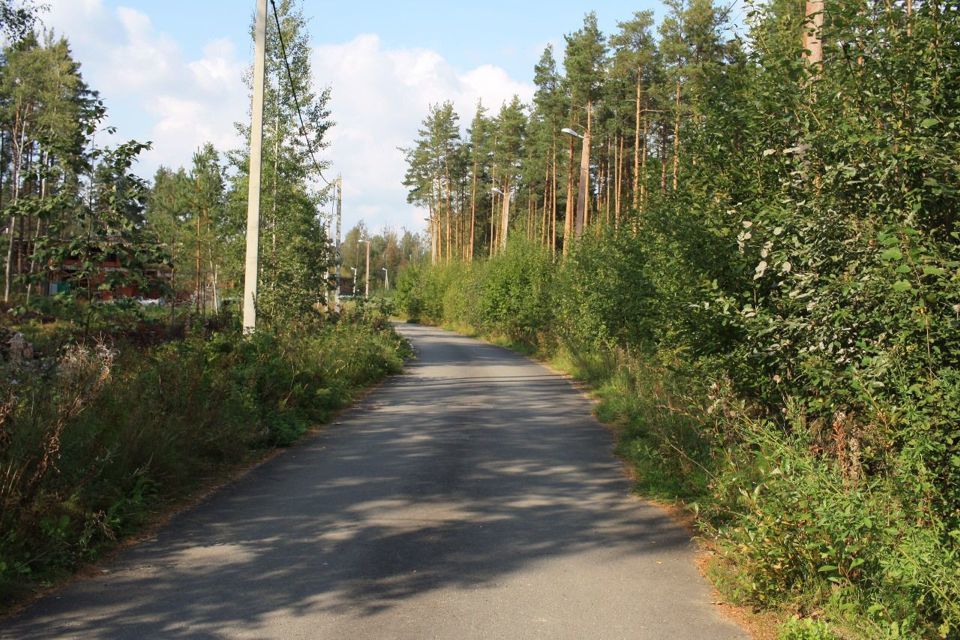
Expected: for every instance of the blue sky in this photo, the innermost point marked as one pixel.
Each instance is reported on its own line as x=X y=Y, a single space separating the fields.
x=170 y=72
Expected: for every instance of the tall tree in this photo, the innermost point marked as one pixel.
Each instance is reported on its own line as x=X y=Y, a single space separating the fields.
x=584 y=61
x=296 y=251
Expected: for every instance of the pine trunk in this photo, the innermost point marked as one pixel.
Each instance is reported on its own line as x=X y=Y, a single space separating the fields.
x=636 y=147
x=676 y=142
x=473 y=212
x=568 y=219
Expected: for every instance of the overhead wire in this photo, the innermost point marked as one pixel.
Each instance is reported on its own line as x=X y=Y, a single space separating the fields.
x=293 y=91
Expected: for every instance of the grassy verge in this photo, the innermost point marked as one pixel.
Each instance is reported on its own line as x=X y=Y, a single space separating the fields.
x=98 y=440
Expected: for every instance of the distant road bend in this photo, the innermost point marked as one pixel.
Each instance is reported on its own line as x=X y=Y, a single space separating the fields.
x=473 y=497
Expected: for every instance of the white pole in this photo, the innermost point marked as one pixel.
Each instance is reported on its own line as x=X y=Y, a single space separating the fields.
x=366 y=274
x=253 y=192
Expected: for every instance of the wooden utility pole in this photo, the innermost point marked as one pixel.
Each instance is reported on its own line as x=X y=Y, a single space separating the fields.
x=256 y=154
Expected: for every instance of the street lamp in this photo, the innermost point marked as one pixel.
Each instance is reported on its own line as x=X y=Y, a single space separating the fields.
x=386 y=279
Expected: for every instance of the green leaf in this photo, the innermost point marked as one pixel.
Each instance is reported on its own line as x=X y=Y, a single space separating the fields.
x=933 y=271
x=929 y=122
x=902 y=285
x=891 y=254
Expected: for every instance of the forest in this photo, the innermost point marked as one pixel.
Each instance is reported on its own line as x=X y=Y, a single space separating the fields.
x=742 y=231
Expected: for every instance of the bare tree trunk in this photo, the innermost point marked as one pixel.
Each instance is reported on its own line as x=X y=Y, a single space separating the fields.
x=608 y=181
x=197 y=260
x=812 y=31
x=44 y=160
x=568 y=219
x=553 y=200
x=505 y=215
x=446 y=177
x=11 y=233
x=544 y=219
x=619 y=181
x=636 y=145
x=530 y=219
x=215 y=280
x=473 y=212
x=276 y=170
x=663 y=158
x=643 y=164
x=676 y=141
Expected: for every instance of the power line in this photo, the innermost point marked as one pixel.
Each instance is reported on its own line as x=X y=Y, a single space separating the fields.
x=293 y=90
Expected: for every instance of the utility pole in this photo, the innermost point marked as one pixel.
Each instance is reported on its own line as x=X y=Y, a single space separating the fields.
x=505 y=216
x=253 y=192
x=338 y=256
x=366 y=275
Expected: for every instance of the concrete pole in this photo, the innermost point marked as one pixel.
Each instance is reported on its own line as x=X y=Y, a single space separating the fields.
x=253 y=192
x=505 y=217
x=366 y=275
x=338 y=256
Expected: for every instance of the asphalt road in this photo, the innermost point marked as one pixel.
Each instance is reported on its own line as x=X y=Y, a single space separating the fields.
x=473 y=497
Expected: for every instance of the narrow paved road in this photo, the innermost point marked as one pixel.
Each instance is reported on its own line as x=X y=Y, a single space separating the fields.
x=473 y=497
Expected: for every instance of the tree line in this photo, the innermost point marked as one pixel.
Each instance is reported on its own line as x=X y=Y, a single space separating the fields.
x=630 y=98
x=72 y=205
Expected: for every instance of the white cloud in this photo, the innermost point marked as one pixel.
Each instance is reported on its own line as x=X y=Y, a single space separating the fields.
x=152 y=92
x=379 y=97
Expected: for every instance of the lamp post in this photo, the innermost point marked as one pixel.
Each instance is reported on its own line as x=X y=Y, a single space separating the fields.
x=386 y=279
x=584 y=172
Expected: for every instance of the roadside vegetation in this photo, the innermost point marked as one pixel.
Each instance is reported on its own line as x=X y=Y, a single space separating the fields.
x=99 y=436
x=126 y=384
x=765 y=294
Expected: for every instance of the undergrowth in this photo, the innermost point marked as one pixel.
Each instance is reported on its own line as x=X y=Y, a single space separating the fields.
x=97 y=439
x=837 y=518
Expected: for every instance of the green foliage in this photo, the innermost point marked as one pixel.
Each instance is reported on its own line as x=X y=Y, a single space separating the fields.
x=98 y=440
x=607 y=296
x=806 y=629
